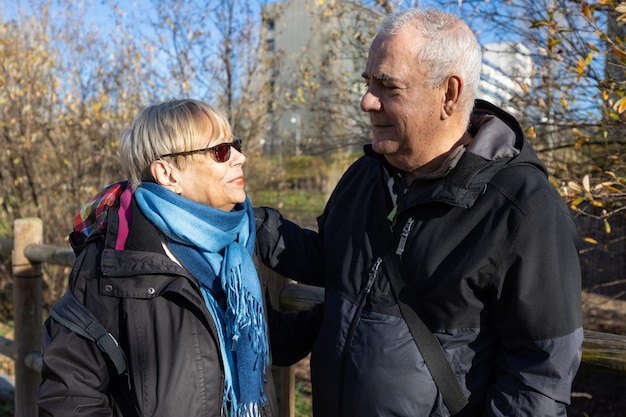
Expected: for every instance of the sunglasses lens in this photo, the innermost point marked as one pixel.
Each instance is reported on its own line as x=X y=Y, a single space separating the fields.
x=222 y=152
x=237 y=144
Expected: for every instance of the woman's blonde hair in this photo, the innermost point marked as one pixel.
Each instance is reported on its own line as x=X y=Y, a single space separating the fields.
x=169 y=127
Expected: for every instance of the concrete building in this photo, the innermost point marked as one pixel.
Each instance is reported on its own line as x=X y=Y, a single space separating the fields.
x=315 y=56
x=506 y=74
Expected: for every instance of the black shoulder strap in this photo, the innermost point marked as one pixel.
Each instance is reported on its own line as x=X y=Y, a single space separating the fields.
x=426 y=341
x=69 y=312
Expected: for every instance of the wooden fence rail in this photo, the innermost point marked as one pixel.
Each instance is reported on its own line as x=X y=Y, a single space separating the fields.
x=601 y=351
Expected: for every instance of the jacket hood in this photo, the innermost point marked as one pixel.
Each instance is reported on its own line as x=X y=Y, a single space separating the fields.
x=498 y=142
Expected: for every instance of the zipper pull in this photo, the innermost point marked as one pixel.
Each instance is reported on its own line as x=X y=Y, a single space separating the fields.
x=392 y=214
x=404 y=235
x=373 y=274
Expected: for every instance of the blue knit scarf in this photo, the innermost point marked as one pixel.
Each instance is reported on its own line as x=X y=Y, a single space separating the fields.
x=216 y=247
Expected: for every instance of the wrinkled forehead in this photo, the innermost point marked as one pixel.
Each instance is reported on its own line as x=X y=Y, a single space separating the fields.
x=394 y=56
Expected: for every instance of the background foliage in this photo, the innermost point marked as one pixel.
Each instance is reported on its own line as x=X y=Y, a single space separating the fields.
x=73 y=74
x=70 y=82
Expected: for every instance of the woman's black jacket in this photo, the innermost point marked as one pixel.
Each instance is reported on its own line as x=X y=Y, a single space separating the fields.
x=154 y=309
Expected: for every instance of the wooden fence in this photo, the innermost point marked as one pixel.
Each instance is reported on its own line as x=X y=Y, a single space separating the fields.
x=601 y=351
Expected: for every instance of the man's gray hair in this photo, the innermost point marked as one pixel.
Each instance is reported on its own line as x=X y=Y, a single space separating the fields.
x=452 y=48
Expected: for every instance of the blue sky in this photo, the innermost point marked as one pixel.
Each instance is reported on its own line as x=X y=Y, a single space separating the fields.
x=97 y=14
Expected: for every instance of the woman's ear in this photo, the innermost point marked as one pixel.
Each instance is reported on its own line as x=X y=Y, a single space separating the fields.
x=165 y=174
x=452 y=88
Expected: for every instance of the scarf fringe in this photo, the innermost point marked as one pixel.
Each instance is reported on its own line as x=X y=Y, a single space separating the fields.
x=244 y=410
x=244 y=311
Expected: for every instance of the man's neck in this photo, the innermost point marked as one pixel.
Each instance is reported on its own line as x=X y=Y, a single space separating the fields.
x=441 y=165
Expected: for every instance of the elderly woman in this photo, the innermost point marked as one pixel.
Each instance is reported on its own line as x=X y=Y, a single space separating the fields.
x=164 y=262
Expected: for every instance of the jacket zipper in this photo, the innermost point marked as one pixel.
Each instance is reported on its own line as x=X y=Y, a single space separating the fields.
x=373 y=274
x=368 y=287
x=404 y=235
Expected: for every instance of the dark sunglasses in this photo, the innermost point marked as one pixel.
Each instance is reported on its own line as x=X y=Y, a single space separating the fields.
x=220 y=152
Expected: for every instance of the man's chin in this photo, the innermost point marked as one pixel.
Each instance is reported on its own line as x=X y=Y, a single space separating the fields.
x=384 y=147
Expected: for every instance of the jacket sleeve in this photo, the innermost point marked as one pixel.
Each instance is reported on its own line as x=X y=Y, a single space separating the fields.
x=75 y=375
x=292 y=334
x=537 y=313
x=288 y=249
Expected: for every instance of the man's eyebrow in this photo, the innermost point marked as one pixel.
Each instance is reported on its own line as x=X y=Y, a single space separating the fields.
x=379 y=76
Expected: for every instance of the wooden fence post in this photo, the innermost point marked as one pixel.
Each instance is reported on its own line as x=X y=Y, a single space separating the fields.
x=27 y=303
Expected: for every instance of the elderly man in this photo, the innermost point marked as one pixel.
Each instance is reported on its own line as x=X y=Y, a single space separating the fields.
x=448 y=216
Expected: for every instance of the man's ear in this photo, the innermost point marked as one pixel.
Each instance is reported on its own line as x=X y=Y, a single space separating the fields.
x=452 y=88
x=165 y=174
